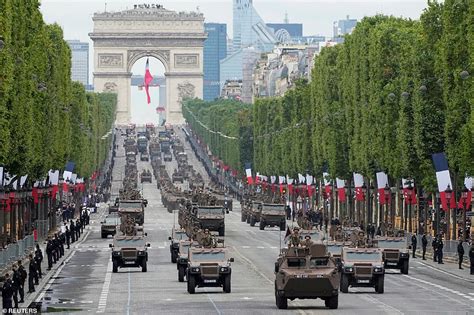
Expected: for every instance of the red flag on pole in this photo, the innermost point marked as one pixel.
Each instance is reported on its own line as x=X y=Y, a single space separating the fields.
x=148 y=80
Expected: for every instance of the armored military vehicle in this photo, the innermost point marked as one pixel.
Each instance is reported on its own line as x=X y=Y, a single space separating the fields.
x=253 y=213
x=146 y=176
x=177 y=235
x=129 y=251
x=130 y=158
x=177 y=177
x=142 y=143
x=362 y=267
x=210 y=217
x=208 y=267
x=133 y=208
x=306 y=273
x=144 y=156
x=395 y=252
x=167 y=157
x=273 y=215
x=182 y=261
x=109 y=225
x=335 y=250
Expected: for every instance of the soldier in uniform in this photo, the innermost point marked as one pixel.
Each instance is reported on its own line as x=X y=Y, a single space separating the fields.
x=16 y=284
x=295 y=237
x=39 y=260
x=307 y=241
x=360 y=239
x=49 y=253
x=338 y=237
x=23 y=276
x=32 y=270
x=207 y=239
x=7 y=294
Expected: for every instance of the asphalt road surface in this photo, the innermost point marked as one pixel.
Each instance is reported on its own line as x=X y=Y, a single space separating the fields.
x=86 y=284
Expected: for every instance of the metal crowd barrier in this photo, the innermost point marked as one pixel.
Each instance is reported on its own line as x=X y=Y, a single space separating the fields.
x=16 y=251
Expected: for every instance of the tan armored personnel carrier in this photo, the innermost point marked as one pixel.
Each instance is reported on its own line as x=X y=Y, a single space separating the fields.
x=209 y=267
x=182 y=259
x=134 y=209
x=362 y=267
x=253 y=214
x=146 y=176
x=395 y=250
x=210 y=217
x=109 y=225
x=177 y=177
x=177 y=235
x=129 y=251
x=273 y=215
x=306 y=273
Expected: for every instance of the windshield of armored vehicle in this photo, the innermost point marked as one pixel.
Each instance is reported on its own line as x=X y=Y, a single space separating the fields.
x=130 y=242
x=112 y=220
x=208 y=256
x=334 y=249
x=363 y=256
x=180 y=235
x=318 y=262
x=296 y=262
x=273 y=209
x=210 y=211
x=130 y=205
x=400 y=244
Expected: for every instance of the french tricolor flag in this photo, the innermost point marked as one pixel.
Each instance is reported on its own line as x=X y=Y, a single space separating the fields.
x=341 y=189
x=248 y=173
x=382 y=181
x=327 y=185
x=309 y=184
x=148 y=80
x=358 y=183
x=444 y=179
x=281 y=180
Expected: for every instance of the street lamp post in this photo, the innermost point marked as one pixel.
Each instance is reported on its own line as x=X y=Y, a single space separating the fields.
x=437 y=214
x=364 y=190
x=409 y=198
x=448 y=192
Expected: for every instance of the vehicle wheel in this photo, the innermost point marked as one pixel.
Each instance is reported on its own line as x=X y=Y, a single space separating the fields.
x=344 y=283
x=332 y=302
x=262 y=226
x=281 y=300
x=103 y=235
x=248 y=219
x=191 y=284
x=181 y=274
x=252 y=221
x=114 y=267
x=144 y=267
x=404 y=269
x=282 y=226
x=379 y=285
x=227 y=287
x=222 y=231
x=173 y=258
x=242 y=218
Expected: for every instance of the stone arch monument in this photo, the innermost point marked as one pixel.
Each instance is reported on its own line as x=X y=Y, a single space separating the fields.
x=176 y=39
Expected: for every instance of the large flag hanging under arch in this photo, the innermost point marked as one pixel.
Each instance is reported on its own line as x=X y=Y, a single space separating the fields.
x=148 y=80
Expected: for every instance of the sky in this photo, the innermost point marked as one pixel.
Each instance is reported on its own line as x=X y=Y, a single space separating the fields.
x=317 y=17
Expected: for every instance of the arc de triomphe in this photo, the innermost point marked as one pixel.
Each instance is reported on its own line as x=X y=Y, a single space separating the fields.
x=176 y=39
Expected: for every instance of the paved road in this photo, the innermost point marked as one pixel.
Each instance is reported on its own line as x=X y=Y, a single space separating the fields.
x=86 y=282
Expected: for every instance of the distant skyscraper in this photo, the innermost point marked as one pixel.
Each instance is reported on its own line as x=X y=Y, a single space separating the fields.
x=343 y=27
x=249 y=28
x=215 y=49
x=80 y=61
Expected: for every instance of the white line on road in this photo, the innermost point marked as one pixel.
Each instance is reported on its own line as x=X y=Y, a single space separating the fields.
x=105 y=289
x=129 y=292
x=214 y=304
x=442 y=271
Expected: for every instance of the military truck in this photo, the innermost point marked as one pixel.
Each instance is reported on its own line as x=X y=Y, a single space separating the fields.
x=208 y=267
x=306 y=273
x=362 y=267
x=273 y=215
x=142 y=144
x=129 y=251
x=210 y=217
x=130 y=157
x=177 y=177
x=177 y=235
x=167 y=157
x=395 y=251
x=253 y=214
x=109 y=225
x=146 y=176
x=134 y=209
x=144 y=156
x=182 y=261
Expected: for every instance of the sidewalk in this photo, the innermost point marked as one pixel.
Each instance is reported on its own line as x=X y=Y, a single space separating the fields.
x=450 y=265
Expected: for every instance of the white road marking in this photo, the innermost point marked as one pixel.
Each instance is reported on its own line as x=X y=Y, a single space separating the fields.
x=105 y=289
x=129 y=292
x=214 y=304
x=442 y=271
x=245 y=246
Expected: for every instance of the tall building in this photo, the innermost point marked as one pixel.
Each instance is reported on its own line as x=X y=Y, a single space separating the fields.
x=249 y=28
x=343 y=27
x=80 y=61
x=215 y=49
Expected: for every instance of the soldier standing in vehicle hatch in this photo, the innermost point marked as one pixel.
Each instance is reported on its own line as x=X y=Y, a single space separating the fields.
x=295 y=238
x=307 y=241
x=207 y=239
